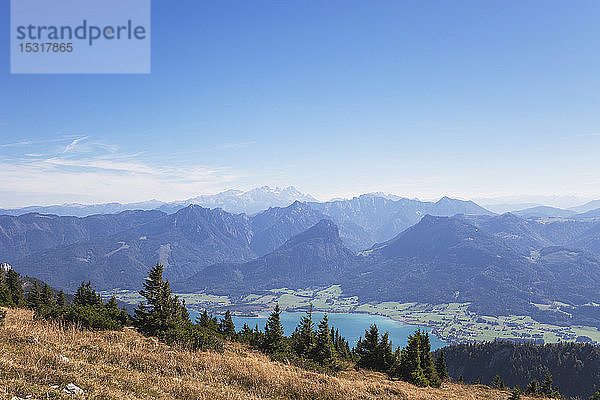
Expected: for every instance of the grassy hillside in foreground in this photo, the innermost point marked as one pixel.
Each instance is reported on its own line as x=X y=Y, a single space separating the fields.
x=125 y=365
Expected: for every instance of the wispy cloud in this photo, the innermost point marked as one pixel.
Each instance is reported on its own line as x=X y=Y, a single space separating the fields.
x=90 y=169
x=73 y=144
x=31 y=142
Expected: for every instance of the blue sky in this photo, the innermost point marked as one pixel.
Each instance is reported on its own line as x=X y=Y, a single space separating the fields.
x=418 y=98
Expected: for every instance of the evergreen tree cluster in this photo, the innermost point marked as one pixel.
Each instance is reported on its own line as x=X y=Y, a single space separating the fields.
x=316 y=347
x=87 y=310
x=413 y=363
x=574 y=367
x=11 y=290
x=545 y=390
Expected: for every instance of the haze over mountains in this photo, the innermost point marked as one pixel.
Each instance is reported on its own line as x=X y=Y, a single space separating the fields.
x=233 y=201
x=259 y=199
x=377 y=247
x=115 y=250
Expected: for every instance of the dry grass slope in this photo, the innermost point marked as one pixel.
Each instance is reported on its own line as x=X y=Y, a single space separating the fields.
x=125 y=365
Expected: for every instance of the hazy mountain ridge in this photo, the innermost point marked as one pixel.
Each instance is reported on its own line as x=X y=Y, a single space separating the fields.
x=233 y=201
x=544 y=212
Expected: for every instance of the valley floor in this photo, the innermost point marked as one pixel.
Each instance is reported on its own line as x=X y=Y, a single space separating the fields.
x=39 y=358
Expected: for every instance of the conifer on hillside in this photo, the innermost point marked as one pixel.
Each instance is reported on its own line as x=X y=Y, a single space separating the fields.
x=274 y=341
x=304 y=337
x=5 y=296
x=367 y=349
x=227 y=327
x=162 y=312
x=323 y=351
x=34 y=298
x=415 y=360
x=15 y=288
x=441 y=368
x=60 y=299
x=46 y=296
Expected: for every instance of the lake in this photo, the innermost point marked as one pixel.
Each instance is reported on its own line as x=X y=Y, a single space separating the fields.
x=351 y=326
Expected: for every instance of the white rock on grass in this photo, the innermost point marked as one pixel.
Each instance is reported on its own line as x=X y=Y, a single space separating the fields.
x=73 y=389
x=63 y=358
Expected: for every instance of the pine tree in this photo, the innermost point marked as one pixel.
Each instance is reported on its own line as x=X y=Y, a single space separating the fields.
x=367 y=349
x=14 y=287
x=547 y=389
x=441 y=368
x=532 y=387
x=34 y=297
x=2 y=317
x=304 y=337
x=208 y=321
x=111 y=304
x=342 y=348
x=226 y=326
x=385 y=353
x=323 y=351
x=274 y=341
x=5 y=297
x=515 y=394
x=203 y=320
x=498 y=383
x=417 y=376
x=162 y=313
x=427 y=360
x=60 y=299
x=46 y=297
x=409 y=366
x=87 y=296
x=246 y=334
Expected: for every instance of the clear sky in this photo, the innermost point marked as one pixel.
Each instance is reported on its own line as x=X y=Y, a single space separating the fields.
x=418 y=98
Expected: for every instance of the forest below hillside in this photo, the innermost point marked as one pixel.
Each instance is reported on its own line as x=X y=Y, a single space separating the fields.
x=574 y=367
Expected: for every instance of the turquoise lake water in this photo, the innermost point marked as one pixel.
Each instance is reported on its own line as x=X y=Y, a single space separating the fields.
x=351 y=326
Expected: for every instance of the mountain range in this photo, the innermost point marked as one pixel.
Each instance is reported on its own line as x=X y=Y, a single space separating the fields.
x=261 y=198
x=114 y=250
x=379 y=248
